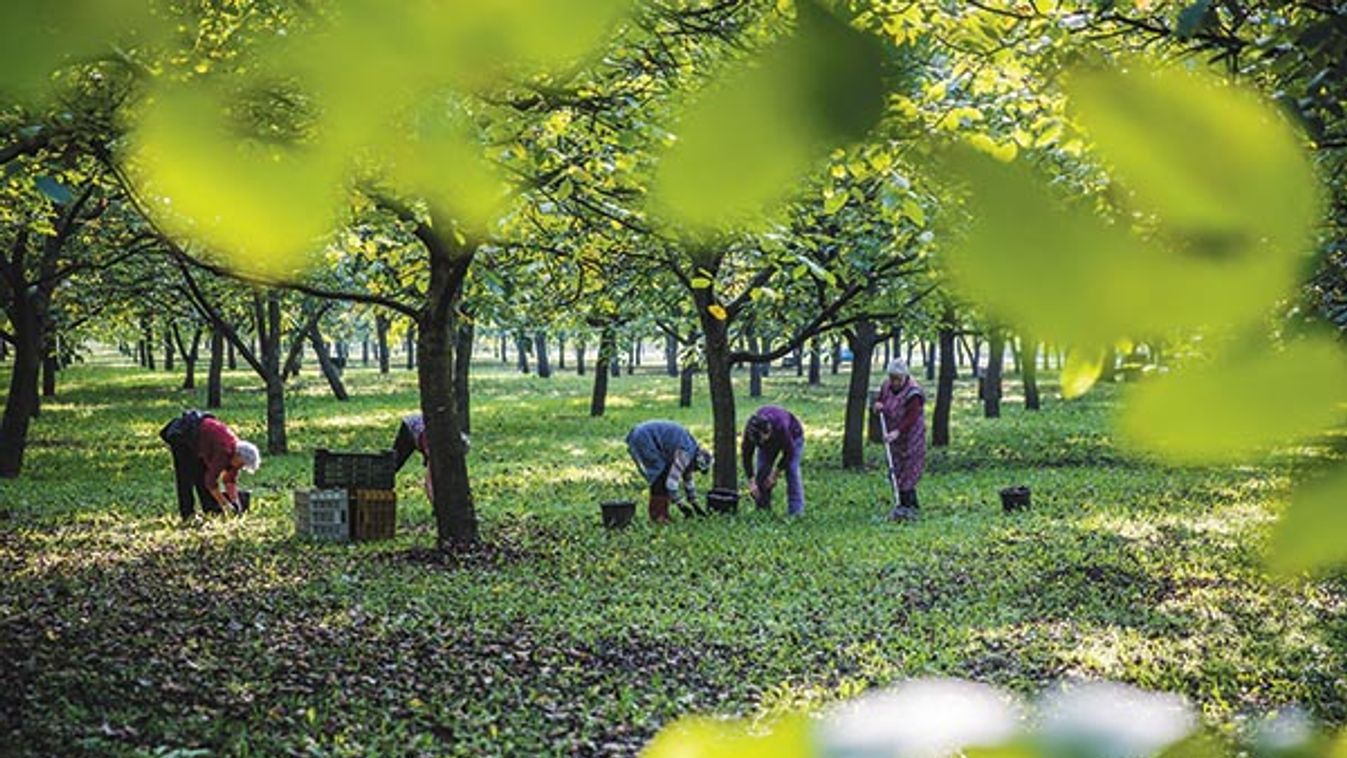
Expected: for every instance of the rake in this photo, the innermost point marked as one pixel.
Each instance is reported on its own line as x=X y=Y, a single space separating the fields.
x=888 y=456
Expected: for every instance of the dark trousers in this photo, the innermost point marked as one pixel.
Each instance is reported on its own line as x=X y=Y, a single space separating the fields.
x=403 y=446
x=190 y=474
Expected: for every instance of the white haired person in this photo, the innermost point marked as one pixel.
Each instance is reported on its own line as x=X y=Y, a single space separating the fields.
x=204 y=451
x=901 y=403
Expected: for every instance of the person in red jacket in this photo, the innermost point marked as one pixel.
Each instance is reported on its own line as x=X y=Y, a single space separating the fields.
x=902 y=402
x=204 y=452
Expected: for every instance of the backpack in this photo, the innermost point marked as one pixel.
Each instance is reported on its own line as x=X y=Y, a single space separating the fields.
x=183 y=430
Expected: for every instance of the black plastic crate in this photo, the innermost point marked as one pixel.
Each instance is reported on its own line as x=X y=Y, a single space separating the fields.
x=351 y=470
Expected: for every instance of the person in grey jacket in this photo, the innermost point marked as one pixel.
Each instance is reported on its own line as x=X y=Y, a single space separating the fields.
x=668 y=456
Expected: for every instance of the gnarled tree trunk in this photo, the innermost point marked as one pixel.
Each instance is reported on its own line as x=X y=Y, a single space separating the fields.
x=598 y=399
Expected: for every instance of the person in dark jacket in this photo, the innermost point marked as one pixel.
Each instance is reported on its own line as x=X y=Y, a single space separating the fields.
x=667 y=456
x=777 y=438
x=205 y=451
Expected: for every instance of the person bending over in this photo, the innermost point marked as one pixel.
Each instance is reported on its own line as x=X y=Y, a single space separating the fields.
x=778 y=439
x=205 y=450
x=667 y=456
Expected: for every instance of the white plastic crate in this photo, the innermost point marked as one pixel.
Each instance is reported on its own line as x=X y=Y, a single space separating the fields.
x=323 y=514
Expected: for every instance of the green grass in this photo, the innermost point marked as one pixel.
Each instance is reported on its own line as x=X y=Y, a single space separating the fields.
x=122 y=634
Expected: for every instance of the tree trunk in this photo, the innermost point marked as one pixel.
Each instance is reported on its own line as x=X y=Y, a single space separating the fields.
x=928 y=358
x=271 y=359
x=189 y=359
x=411 y=347
x=23 y=380
x=381 y=341
x=636 y=352
x=168 y=350
x=462 y=366
x=944 y=395
x=814 y=360
x=231 y=360
x=598 y=400
x=670 y=355
x=49 y=369
x=561 y=352
x=754 y=369
x=721 y=386
x=437 y=340
x=580 y=357
x=521 y=347
x=862 y=343
x=631 y=358
x=364 y=351
x=991 y=378
x=615 y=361
x=504 y=349
x=837 y=358
x=799 y=360
x=149 y=344
x=213 y=389
x=1029 y=371
x=1109 y=371
x=686 y=376
x=540 y=353
x=325 y=364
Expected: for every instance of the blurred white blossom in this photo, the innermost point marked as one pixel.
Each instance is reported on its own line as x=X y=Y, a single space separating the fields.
x=1106 y=720
x=927 y=718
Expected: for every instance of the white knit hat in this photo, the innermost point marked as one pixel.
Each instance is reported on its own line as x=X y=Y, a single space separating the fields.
x=898 y=367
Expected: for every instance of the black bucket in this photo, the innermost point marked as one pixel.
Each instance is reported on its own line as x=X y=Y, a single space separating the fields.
x=723 y=501
x=617 y=513
x=1014 y=499
x=245 y=500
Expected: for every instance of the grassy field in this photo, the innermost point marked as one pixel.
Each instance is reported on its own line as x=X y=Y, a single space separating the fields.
x=122 y=634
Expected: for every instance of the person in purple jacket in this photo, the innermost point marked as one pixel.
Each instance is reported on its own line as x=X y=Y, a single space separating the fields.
x=777 y=438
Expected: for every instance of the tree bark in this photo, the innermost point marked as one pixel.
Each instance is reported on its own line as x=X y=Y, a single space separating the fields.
x=720 y=382
x=213 y=389
x=462 y=367
x=799 y=360
x=580 y=357
x=561 y=351
x=862 y=342
x=437 y=338
x=598 y=400
x=232 y=360
x=991 y=378
x=670 y=355
x=275 y=383
x=944 y=395
x=837 y=358
x=540 y=354
x=364 y=351
x=23 y=381
x=928 y=358
x=411 y=347
x=325 y=364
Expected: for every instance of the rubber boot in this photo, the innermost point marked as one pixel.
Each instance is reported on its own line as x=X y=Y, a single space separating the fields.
x=906 y=510
x=659 y=509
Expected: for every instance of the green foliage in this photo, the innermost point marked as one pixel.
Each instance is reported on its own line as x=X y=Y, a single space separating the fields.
x=1309 y=535
x=749 y=140
x=1222 y=411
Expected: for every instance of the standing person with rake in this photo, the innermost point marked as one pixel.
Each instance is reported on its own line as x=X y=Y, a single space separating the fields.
x=901 y=408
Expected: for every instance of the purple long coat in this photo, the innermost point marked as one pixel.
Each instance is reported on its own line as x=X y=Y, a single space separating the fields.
x=903 y=411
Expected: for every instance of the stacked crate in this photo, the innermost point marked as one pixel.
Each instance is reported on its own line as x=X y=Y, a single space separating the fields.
x=353 y=500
